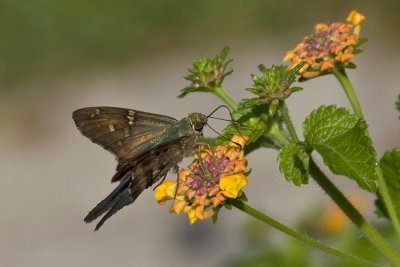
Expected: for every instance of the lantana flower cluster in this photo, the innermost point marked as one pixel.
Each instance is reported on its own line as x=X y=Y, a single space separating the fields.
x=327 y=46
x=215 y=175
x=274 y=85
x=209 y=72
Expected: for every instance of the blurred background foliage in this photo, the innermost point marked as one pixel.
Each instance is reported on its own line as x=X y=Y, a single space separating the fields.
x=45 y=38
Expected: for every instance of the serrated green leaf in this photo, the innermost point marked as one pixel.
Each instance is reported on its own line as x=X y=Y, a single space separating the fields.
x=342 y=141
x=293 y=163
x=327 y=122
x=390 y=166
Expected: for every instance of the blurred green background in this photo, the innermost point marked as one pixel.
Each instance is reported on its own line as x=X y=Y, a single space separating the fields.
x=46 y=38
x=58 y=56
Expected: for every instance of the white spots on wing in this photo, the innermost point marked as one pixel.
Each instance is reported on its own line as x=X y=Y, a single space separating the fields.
x=131 y=116
x=130 y=119
x=111 y=127
x=126 y=132
x=96 y=112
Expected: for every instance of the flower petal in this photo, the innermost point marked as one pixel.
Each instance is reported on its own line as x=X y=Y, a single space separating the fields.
x=231 y=185
x=239 y=140
x=355 y=17
x=165 y=191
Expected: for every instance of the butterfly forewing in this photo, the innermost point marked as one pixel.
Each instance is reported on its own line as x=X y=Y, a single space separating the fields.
x=120 y=131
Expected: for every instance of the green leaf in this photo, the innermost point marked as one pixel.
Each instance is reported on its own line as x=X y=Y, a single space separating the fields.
x=211 y=141
x=228 y=205
x=390 y=165
x=361 y=41
x=296 y=89
x=188 y=90
x=253 y=90
x=296 y=68
x=251 y=118
x=272 y=109
x=215 y=216
x=262 y=68
x=243 y=197
x=293 y=163
x=351 y=65
x=342 y=140
x=398 y=103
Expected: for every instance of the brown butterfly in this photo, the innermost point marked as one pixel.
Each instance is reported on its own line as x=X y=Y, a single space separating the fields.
x=145 y=145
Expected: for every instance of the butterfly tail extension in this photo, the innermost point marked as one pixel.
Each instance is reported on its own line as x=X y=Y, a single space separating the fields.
x=118 y=196
x=121 y=200
x=107 y=203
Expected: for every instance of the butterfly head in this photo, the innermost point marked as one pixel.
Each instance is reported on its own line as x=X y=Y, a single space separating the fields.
x=197 y=121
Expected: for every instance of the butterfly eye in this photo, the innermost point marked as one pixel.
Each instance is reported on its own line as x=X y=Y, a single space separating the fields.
x=198 y=126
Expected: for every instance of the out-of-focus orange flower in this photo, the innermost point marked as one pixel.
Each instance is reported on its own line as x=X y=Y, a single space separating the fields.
x=334 y=221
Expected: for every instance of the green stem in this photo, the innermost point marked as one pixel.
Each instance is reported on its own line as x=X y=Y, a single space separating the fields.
x=384 y=192
x=341 y=75
x=370 y=232
x=288 y=121
x=276 y=132
x=344 y=80
x=220 y=92
x=312 y=242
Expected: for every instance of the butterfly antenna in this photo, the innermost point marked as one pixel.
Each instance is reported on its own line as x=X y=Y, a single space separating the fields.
x=220 y=119
x=236 y=124
x=221 y=106
x=224 y=137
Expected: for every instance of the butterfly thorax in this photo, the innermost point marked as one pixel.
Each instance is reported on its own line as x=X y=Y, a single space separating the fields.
x=189 y=129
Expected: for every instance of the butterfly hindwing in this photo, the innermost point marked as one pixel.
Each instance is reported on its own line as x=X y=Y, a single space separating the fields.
x=140 y=174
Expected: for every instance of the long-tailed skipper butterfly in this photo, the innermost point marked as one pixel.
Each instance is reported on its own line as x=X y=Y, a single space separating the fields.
x=145 y=145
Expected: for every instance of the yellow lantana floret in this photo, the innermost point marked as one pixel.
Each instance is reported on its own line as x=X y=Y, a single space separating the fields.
x=165 y=191
x=231 y=185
